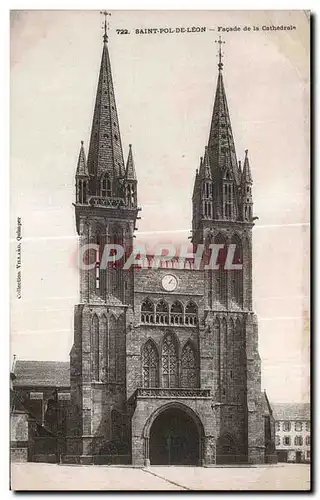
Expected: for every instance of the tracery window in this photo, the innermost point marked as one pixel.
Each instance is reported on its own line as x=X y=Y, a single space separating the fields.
x=147 y=311
x=169 y=362
x=176 y=314
x=162 y=313
x=189 y=370
x=150 y=365
x=191 y=314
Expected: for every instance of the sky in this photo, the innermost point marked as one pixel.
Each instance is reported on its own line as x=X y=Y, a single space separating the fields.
x=164 y=86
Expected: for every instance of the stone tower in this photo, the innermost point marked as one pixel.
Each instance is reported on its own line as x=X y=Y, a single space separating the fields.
x=106 y=212
x=223 y=215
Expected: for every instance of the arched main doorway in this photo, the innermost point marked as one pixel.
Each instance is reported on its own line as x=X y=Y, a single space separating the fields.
x=174 y=439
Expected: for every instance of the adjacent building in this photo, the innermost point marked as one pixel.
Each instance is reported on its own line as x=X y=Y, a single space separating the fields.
x=293 y=432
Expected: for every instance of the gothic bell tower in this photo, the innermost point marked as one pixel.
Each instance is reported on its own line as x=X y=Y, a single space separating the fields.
x=223 y=215
x=105 y=212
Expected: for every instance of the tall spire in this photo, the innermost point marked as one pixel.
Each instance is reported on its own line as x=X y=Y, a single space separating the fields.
x=221 y=144
x=130 y=168
x=82 y=163
x=105 y=154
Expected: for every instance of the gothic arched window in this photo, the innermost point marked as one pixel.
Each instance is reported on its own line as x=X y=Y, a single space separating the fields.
x=169 y=362
x=105 y=187
x=147 y=311
x=191 y=314
x=150 y=365
x=176 y=314
x=162 y=313
x=95 y=348
x=189 y=371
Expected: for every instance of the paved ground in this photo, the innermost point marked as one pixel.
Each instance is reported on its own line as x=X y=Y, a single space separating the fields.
x=32 y=476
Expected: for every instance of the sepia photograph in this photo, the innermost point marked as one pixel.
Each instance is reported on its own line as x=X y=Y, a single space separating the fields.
x=160 y=248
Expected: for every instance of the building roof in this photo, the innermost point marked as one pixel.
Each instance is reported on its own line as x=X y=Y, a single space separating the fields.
x=266 y=407
x=42 y=373
x=291 y=411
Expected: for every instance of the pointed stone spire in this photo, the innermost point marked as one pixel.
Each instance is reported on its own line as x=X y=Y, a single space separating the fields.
x=130 y=174
x=246 y=174
x=221 y=143
x=82 y=163
x=201 y=169
x=206 y=166
x=105 y=154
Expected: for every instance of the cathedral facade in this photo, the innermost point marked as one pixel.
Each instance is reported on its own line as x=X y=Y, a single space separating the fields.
x=165 y=367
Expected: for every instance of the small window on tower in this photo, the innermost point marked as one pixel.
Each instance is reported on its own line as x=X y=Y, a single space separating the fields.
x=103 y=187
x=108 y=188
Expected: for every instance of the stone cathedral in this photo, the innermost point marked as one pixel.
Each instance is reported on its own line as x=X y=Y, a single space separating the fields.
x=165 y=367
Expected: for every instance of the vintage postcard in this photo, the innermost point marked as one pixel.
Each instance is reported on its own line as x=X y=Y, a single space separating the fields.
x=160 y=250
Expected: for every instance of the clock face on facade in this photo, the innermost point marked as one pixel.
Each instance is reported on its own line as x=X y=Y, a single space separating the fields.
x=169 y=282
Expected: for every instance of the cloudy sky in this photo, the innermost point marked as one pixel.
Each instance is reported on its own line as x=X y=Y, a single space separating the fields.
x=165 y=85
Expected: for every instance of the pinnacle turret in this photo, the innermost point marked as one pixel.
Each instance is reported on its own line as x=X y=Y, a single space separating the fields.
x=82 y=169
x=246 y=174
x=206 y=166
x=246 y=189
x=130 y=168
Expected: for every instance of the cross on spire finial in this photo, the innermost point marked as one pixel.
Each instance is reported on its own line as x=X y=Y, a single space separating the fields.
x=220 y=55
x=105 y=25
